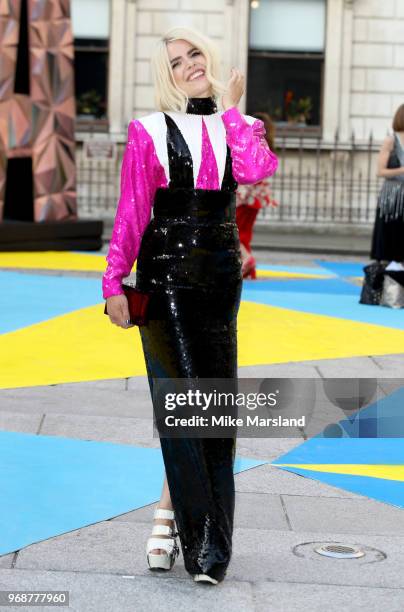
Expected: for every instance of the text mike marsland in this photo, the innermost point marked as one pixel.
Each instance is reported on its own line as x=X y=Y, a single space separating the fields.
x=228 y=421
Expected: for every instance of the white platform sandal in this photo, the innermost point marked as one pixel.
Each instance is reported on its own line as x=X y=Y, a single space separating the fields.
x=205 y=578
x=162 y=561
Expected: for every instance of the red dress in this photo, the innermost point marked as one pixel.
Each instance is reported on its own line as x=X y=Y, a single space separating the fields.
x=249 y=200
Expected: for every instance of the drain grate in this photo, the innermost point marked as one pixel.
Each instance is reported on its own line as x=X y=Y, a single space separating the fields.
x=340 y=551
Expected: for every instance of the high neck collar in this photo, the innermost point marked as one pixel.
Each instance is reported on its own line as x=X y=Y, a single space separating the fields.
x=201 y=106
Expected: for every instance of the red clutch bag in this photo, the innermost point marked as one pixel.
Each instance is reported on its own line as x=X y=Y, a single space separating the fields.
x=137 y=304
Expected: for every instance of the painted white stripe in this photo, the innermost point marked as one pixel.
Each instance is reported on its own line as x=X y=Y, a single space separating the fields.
x=155 y=125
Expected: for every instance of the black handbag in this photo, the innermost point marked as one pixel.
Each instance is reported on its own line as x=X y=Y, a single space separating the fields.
x=372 y=284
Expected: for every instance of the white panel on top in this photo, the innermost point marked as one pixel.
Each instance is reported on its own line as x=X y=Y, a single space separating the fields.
x=155 y=125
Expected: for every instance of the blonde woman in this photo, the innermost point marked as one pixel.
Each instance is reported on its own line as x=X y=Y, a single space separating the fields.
x=183 y=163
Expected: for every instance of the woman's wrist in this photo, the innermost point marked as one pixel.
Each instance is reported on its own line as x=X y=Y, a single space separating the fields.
x=229 y=106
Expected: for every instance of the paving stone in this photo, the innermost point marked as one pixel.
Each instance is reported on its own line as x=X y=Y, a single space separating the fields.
x=140 y=515
x=268 y=513
x=138 y=383
x=293 y=597
x=6 y=560
x=100 y=592
x=270 y=479
x=103 y=429
x=361 y=515
x=114 y=547
x=278 y=370
x=260 y=511
x=391 y=362
x=258 y=555
x=355 y=367
x=108 y=383
x=389 y=385
x=112 y=383
x=265 y=555
x=29 y=423
x=267 y=449
x=76 y=400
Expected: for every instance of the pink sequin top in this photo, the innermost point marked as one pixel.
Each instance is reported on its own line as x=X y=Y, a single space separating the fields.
x=144 y=169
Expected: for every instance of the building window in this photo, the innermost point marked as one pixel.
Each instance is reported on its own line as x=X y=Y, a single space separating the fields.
x=286 y=61
x=91 y=30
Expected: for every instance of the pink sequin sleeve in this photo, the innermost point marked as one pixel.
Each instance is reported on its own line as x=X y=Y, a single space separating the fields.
x=252 y=159
x=141 y=174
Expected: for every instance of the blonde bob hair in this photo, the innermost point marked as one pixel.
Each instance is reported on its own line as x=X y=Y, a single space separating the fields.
x=167 y=95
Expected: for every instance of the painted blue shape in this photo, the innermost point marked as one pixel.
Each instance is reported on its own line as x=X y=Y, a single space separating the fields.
x=347 y=450
x=51 y=485
x=381 y=489
x=32 y=298
x=295 y=269
x=342 y=306
x=381 y=419
x=329 y=286
x=342 y=268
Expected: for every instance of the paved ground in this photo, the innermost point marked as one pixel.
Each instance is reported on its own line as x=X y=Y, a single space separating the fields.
x=278 y=516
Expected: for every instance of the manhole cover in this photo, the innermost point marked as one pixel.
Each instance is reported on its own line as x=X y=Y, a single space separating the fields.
x=340 y=551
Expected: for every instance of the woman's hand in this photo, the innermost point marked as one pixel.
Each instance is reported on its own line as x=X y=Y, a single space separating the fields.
x=118 y=310
x=235 y=89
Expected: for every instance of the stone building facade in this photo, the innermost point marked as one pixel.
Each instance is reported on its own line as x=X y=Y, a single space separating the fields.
x=363 y=67
x=362 y=74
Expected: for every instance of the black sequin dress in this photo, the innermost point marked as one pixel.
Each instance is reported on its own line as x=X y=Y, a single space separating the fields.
x=388 y=229
x=190 y=260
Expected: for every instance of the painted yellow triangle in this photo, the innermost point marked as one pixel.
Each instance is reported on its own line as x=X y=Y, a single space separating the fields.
x=387 y=472
x=54 y=260
x=270 y=334
x=84 y=345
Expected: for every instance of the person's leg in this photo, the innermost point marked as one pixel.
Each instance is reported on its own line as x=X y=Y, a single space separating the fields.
x=246 y=216
x=196 y=339
x=165 y=499
x=165 y=502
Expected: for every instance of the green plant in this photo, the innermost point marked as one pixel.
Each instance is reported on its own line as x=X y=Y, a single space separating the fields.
x=297 y=110
x=89 y=103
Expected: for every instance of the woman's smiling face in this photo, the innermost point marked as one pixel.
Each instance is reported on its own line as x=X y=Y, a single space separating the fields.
x=189 y=66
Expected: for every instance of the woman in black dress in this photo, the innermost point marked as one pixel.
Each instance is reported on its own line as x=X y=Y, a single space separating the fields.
x=388 y=231
x=183 y=163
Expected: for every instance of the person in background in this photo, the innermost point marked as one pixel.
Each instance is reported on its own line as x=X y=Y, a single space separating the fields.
x=388 y=231
x=249 y=200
